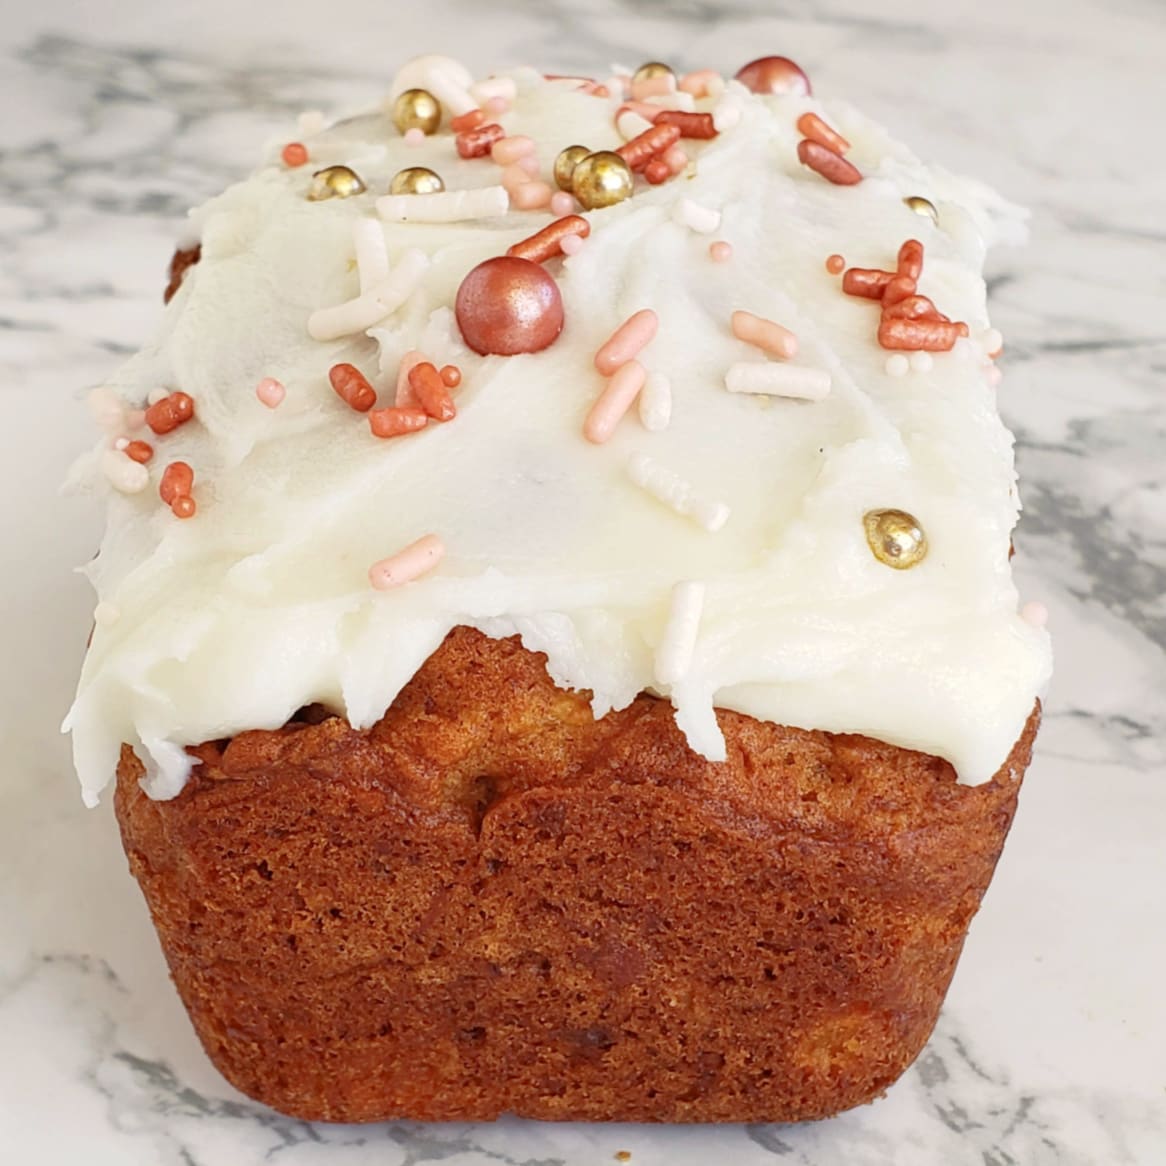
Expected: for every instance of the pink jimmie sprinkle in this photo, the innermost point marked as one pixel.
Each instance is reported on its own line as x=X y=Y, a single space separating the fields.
x=414 y=136
x=408 y=564
x=571 y=244
x=270 y=392
x=562 y=203
x=1035 y=613
x=720 y=251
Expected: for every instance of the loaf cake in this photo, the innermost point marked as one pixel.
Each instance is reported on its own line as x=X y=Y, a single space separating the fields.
x=555 y=637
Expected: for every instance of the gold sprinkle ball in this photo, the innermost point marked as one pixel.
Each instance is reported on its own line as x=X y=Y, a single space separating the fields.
x=335 y=182
x=895 y=538
x=416 y=180
x=602 y=179
x=565 y=165
x=922 y=206
x=650 y=71
x=417 y=109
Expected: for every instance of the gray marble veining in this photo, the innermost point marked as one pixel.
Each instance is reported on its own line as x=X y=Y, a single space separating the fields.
x=115 y=117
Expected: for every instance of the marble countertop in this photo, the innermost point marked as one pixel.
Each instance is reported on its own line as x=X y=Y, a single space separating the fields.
x=116 y=115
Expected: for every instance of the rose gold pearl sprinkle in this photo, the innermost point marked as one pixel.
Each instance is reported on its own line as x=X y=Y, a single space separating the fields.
x=294 y=154
x=615 y=400
x=720 y=251
x=451 y=376
x=183 y=506
x=835 y=264
x=408 y=564
x=270 y=392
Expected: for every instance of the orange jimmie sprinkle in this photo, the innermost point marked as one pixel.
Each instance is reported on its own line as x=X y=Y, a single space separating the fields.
x=352 y=387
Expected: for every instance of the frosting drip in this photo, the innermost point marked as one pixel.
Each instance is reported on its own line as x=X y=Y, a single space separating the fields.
x=261 y=603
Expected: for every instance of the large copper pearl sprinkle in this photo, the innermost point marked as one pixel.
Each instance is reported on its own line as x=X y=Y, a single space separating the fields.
x=508 y=305
x=775 y=75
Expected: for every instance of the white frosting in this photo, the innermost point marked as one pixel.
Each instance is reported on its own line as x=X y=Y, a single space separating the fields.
x=261 y=603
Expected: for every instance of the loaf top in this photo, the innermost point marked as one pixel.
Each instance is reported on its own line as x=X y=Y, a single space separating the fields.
x=768 y=494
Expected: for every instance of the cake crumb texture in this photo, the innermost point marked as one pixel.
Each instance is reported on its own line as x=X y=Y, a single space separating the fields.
x=491 y=902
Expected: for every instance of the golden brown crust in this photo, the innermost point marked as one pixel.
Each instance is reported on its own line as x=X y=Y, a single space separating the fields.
x=491 y=903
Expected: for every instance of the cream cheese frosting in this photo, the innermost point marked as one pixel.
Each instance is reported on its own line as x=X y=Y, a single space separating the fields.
x=261 y=603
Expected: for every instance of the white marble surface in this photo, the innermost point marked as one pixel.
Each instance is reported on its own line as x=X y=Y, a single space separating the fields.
x=115 y=115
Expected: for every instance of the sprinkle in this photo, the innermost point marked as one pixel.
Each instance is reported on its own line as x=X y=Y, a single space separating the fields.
x=911 y=307
x=395 y=421
x=627 y=341
x=691 y=125
x=502 y=89
x=932 y=335
x=477 y=143
x=562 y=203
x=778 y=380
x=642 y=149
x=107 y=409
x=631 y=124
x=680 y=102
x=270 y=392
x=835 y=264
x=183 y=506
x=701 y=219
x=496 y=106
x=372 y=256
x=726 y=114
x=869 y=283
x=530 y=196
x=408 y=564
x=657 y=171
x=137 y=451
x=121 y=444
x=910 y=262
x=294 y=154
x=135 y=418
x=467 y=121
x=106 y=614
x=445 y=88
x=123 y=473
x=676 y=493
x=660 y=85
x=451 y=376
x=352 y=387
x=677 y=645
x=897 y=365
x=1035 y=613
x=677 y=159
x=833 y=167
x=169 y=413
x=572 y=245
x=655 y=402
x=372 y=306
x=512 y=177
x=701 y=83
x=548 y=242
x=405 y=398
x=811 y=126
x=414 y=136
x=648 y=112
x=994 y=342
x=507 y=150
x=448 y=206
x=615 y=400
x=720 y=251
x=765 y=334
x=922 y=361
x=431 y=391
x=899 y=287
x=177 y=482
